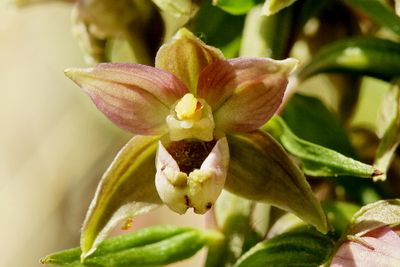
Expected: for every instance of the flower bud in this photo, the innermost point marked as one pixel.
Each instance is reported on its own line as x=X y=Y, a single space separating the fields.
x=180 y=187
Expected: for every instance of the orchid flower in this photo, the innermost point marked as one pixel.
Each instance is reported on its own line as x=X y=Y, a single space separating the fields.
x=379 y=247
x=196 y=117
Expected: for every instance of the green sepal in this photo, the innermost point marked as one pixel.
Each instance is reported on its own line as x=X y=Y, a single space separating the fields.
x=389 y=130
x=261 y=170
x=126 y=190
x=317 y=160
x=361 y=55
x=236 y=7
x=303 y=248
x=380 y=12
x=153 y=246
x=375 y=215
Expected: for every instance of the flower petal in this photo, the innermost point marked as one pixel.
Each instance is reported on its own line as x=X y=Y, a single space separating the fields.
x=126 y=189
x=198 y=189
x=260 y=170
x=244 y=93
x=383 y=250
x=135 y=97
x=186 y=56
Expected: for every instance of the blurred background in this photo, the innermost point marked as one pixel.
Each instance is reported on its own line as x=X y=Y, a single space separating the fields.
x=54 y=144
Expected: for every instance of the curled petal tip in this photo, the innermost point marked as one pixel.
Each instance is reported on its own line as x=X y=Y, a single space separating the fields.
x=288 y=65
x=74 y=73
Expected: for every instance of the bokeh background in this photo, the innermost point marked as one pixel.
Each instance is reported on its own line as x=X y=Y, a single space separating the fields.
x=54 y=144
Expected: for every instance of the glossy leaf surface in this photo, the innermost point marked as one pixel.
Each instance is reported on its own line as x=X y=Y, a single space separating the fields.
x=297 y=248
x=154 y=246
x=362 y=56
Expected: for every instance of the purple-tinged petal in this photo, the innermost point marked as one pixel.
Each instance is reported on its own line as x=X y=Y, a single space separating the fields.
x=219 y=80
x=244 y=93
x=379 y=247
x=135 y=97
x=186 y=56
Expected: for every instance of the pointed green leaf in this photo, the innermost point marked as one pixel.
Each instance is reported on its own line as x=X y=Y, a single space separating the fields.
x=375 y=215
x=158 y=245
x=389 y=130
x=236 y=7
x=298 y=248
x=273 y=6
x=317 y=160
x=126 y=190
x=380 y=12
x=363 y=56
x=260 y=169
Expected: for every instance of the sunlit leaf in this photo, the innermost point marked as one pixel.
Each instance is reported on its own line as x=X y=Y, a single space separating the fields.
x=260 y=170
x=126 y=190
x=158 y=245
x=379 y=12
x=389 y=130
x=236 y=7
x=273 y=6
x=317 y=160
x=375 y=215
x=362 y=56
x=297 y=248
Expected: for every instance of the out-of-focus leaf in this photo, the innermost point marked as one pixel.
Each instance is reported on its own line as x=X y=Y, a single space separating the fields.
x=266 y=36
x=272 y=6
x=152 y=246
x=211 y=22
x=236 y=7
x=285 y=223
x=379 y=12
x=297 y=248
x=233 y=216
x=261 y=170
x=362 y=56
x=310 y=119
x=339 y=215
x=126 y=190
x=389 y=130
x=397 y=7
x=375 y=215
x=176 y=8
x=317 y=160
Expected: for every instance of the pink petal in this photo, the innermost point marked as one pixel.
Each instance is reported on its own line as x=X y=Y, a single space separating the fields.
x=244 y=93
x=135 y=97
x=383 y=251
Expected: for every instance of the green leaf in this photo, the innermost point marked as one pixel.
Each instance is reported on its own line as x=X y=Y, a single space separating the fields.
x=158 y=245
x=362 y=56
x=317 y=160
x=126 y=190
x=261 y=170
x=310 y=119
x=273 y=6
x=236 y=7
x=381 y=13
x=389 y=130
x=211 y=22
x=297 y=248
x=375 y=215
